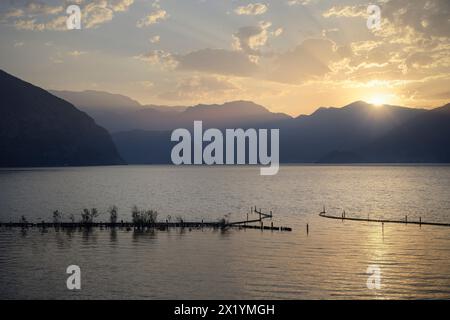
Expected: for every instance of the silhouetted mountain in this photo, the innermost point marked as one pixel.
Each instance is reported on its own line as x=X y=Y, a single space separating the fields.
x=98 y=100
x=165 y=108
x=144 y=147
x=358 y=132
x=39 y=129
x=423 y=139
x=125 y=114
x=107 y=109
x=310 y=138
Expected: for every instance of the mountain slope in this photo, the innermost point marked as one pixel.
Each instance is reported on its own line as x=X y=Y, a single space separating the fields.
x=98 y=100
x=144 y=147
x=119 y=113
x=310 y=138
x=235 y=114
x=39 y=129
x=423 y=139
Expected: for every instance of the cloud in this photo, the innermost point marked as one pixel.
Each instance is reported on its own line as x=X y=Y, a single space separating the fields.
x=346 y=11
x=412 y=44
x=96 y=13
x=434 y=88
x=298 y=2
x=218 y=61
x=310 y=59
x=37 y=8
x=145 y=84
x=155 y=39
x=165 y=60
x=13 y=13
x=212 y=61
x=200 y=88
x=38 y=16
x=251 y=38
x=252 y=9
x=76 y=53
x=121 y=5
x=429 y=17
x=153 y=18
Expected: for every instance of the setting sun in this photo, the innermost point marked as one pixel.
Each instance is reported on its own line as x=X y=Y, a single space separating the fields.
x=377 y=100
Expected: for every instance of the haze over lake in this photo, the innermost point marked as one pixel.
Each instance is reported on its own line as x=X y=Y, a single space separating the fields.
x=329 y=262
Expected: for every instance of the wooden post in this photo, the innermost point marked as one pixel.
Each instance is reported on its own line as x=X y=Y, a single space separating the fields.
x=420 y=221
x=271 y=226
x=307 y=229
x=406 y=219
x=262 y=226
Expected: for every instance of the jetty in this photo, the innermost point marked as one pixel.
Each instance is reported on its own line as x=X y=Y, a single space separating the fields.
x=249 y=223
x=368 y=219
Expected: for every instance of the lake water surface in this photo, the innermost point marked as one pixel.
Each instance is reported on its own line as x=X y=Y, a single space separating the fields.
x=329 y=262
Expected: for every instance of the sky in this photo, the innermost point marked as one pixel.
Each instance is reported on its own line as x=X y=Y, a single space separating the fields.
x=291 y=56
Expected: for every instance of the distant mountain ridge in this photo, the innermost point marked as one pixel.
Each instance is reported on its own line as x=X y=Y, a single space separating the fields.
x=47 y=130
x=356 y=133
x=39 y=129
x=98 y=100
x=423 y=139
x=133 y=116
x=309 y=138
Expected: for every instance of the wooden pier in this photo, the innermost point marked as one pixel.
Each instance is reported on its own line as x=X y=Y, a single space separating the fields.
x=368 y=219
x=244 y=224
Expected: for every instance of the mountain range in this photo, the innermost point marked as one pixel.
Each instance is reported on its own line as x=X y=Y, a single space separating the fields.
x=356 y=133
x=126 y=114
x=39 y=129
x=66 y=128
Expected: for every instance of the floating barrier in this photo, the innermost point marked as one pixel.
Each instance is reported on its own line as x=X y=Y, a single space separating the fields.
x=368 y=219
x=245 y=224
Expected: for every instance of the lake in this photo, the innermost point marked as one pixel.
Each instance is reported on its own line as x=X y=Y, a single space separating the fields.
x=328 y=262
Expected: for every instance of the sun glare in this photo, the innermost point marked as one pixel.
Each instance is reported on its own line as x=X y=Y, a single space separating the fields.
x=378 y=100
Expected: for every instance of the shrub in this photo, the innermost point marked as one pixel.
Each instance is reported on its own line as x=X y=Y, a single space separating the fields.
x=141 y=217
x=88 y=215
x=57 y=216
x=113 y=214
